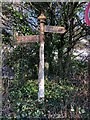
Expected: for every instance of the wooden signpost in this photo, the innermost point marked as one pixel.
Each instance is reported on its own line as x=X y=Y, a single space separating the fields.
x=35 y=38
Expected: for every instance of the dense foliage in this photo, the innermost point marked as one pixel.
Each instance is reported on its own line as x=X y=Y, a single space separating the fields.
x=62 y=100
x=66 y=85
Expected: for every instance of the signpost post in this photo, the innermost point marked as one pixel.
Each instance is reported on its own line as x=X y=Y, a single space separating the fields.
x=41 y=55
x=36 y=38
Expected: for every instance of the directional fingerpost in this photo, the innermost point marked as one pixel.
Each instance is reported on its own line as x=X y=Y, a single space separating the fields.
x=40 y=38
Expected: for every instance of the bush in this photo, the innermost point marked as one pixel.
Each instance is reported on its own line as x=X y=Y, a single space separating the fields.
x=60 y=100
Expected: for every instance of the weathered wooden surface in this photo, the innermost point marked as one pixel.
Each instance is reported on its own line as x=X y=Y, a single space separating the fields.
x=31 y=38
x=41 y=55
x=54 y=29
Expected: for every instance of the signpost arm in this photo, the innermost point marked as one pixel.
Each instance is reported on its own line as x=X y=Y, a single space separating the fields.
x=41 y=55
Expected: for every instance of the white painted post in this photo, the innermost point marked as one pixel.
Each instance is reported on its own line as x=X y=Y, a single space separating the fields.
x=41 y=55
